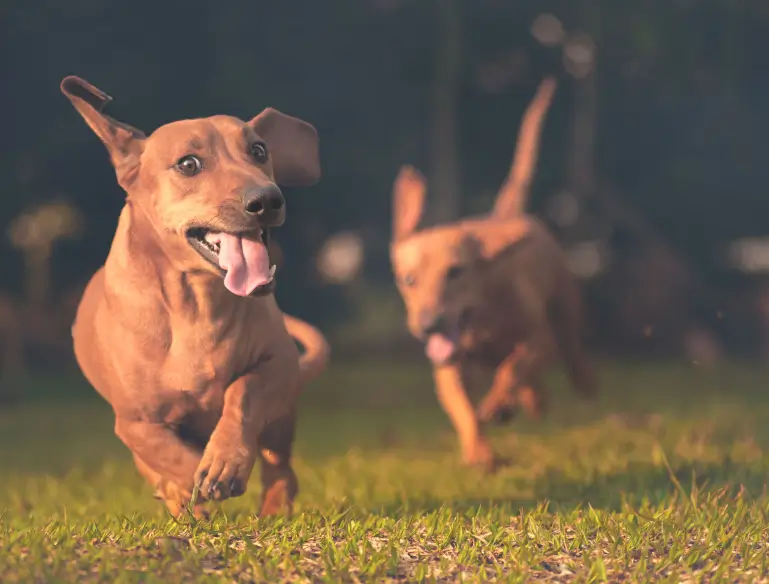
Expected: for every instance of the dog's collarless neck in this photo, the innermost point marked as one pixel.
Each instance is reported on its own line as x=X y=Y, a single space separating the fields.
x=139 y=250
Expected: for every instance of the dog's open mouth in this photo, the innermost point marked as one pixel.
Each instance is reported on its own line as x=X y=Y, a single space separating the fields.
x=441 y=349
x=242 y=258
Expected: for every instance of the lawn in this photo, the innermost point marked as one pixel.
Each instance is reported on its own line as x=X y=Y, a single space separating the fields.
x=662 y=480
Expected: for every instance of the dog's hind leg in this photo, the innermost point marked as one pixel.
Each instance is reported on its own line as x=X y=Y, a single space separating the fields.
x=533 y=399
x=566 y=321
x=516 y=385
x=173 y=497
x=453 y=398
x=500 y=401
x=279 y=483
x=530 y=366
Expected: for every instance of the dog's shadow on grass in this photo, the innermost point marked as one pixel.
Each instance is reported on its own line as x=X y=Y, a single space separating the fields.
x=611 y=492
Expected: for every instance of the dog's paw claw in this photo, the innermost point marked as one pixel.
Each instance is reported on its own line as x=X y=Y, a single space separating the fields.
x=505 y=414
x=201 y=514
x=499 y=411
x=481 y=456
x=220 y=479
x=200 y=478
x=497 y=463
x=236 y=488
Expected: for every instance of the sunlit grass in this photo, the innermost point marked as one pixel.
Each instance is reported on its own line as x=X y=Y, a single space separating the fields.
x=661 y=480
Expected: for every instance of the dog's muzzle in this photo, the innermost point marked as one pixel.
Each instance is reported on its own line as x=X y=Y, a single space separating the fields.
x=441 y=340
x=431 y=322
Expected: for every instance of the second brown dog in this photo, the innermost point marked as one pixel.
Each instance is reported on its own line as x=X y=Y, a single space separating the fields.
x=494 y=290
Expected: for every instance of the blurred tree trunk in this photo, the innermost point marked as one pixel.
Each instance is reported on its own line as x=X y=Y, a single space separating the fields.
x=444 y=182
x=583 y=164
x=12 y=365
x=37 y=288
x=658 y=281
x=582 y=167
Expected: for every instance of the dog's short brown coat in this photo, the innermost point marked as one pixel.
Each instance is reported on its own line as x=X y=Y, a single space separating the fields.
x=202 y=382
x=496 y=289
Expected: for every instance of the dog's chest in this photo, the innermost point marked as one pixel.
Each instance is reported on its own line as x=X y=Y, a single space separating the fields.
x=486 y=349
x=199 y=370
x=492 y=336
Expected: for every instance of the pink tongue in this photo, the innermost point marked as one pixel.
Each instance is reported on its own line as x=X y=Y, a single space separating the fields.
x=439 y=348
x=246 y=262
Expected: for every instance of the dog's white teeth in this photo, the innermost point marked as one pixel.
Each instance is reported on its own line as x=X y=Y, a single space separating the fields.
x=272 y=271
x=213 y=237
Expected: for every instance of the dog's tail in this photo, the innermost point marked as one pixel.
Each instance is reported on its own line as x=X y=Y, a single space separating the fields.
x=316 y=347
x=511 y=199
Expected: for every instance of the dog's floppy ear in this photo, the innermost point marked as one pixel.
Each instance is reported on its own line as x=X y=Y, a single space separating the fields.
x=408 y=201
x=293 y=147
x=124 y=143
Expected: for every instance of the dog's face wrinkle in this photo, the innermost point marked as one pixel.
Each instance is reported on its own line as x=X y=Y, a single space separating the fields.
x=194 y=145
x=211 y=139
x=231 y=217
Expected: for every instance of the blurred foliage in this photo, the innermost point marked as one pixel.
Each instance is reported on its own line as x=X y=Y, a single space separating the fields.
x=682 y=118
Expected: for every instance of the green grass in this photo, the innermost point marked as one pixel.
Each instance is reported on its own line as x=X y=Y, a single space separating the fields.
x=662 y=480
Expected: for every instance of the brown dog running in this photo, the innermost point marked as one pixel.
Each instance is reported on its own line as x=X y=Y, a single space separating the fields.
x=179 y=330
x=495 y=290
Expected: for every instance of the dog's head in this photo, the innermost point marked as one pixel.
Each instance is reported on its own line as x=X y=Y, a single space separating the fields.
x=209 y=187
x=442 y=272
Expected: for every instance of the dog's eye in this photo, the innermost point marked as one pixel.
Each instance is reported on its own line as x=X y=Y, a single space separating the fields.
x=259 y=152
x=409 y=280
x=189 y=165
x=454 y=272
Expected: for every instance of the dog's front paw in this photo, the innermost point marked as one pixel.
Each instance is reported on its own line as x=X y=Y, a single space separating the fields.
x=533 y=402
x=222 y=473
x=498 y=409
x=481 y=455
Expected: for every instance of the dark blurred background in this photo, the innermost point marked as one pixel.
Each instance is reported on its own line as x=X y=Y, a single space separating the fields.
x=653 y=170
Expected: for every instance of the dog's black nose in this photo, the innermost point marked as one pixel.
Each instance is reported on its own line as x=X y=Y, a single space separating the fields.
x=267 y=203
x=431 y=322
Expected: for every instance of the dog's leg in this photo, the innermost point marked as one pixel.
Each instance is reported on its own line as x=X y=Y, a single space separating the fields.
x=174 y=498
x=535 y=355
x=230 y=454
x=162 y=453
x=500 y=402
x=252 y=403
x=508 y=390
x=566 y=321
x=533 y=399
x=453 y=398
x=279 y=484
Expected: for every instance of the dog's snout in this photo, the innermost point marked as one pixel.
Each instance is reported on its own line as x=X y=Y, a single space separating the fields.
x=430 y=322
x=267 y=203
